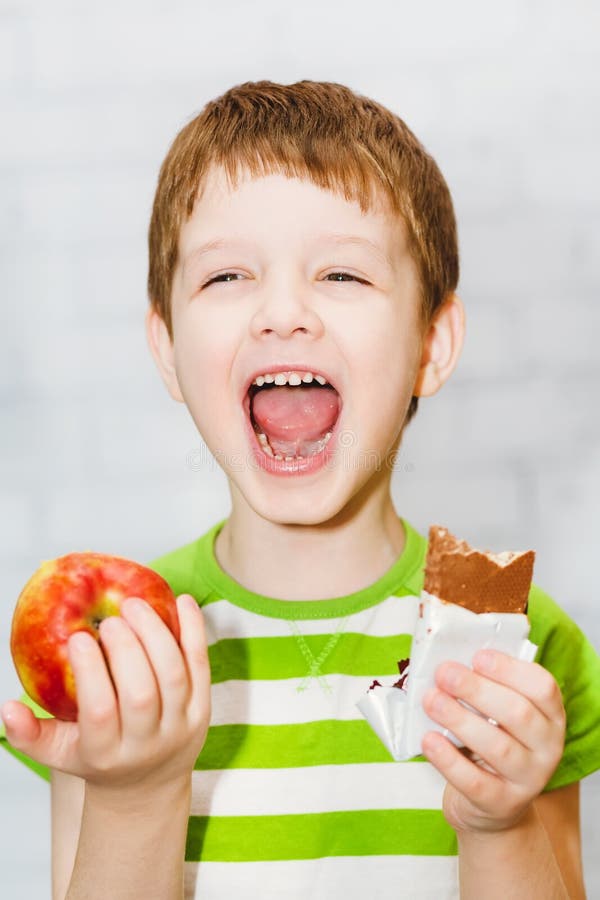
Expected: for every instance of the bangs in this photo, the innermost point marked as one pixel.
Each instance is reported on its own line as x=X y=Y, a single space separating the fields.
x=287 y=140
x=322 y=132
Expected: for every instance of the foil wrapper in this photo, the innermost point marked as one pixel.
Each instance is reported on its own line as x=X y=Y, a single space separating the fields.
x=444 y=631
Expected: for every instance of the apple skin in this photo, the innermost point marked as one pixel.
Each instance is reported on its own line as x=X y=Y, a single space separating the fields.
x=75 y=593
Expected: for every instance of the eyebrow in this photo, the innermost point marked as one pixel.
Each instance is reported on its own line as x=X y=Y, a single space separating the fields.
x=332 y=237
x=203 y=249
x=335 y=237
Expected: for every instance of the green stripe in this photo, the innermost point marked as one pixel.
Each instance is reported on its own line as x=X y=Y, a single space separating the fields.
x=418 y=832
x=282 y=657
x=36 y=767
x=328 y=742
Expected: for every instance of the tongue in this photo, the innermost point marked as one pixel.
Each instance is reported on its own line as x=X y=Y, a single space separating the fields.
x=290 y=415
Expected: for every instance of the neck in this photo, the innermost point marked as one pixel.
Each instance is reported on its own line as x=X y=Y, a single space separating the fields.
x=311 y=562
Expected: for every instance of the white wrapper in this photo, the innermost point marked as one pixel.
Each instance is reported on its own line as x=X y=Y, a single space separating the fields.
x=444 y=631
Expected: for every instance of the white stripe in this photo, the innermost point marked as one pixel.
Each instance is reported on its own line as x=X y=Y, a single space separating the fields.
x=315 y=789
x=396 y=615
x=282 y=703
x=331 y=878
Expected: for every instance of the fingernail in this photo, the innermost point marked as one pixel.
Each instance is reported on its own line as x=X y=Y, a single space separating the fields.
x=7 y=717
x=451 y=675
x=433 y=743
x=485 y=660
x=134 y=604
x=79 y=641
x=108 y=625
x=435 y=700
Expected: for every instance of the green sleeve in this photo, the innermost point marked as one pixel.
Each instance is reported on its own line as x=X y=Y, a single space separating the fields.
x=570 y=657
x=44 y=771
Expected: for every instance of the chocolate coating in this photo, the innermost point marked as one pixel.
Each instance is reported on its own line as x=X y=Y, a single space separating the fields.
x=478 y=580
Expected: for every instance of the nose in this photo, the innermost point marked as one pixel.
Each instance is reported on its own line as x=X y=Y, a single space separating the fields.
x=283 y=309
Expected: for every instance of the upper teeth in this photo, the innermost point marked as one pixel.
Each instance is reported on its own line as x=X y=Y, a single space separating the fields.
x=288 y=378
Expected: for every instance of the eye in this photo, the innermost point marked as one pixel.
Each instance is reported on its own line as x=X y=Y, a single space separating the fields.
x=341 y=277
x=218 y=278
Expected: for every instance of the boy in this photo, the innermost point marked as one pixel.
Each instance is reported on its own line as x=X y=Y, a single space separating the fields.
x=303 y=266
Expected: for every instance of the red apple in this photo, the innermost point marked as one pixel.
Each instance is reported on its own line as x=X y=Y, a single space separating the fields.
x=75 y=593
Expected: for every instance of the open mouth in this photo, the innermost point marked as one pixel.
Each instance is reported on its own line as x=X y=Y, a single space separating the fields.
x=293 y=414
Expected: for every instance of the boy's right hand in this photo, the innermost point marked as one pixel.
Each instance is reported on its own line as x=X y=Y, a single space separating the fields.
x=144 y=711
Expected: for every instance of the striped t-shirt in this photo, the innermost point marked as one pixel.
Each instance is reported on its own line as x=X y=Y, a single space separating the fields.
x=294 y=797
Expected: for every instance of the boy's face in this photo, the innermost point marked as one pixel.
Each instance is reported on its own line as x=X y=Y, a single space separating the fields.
x=282 y=307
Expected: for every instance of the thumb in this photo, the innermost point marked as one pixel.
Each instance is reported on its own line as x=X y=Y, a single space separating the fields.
x=50 y=742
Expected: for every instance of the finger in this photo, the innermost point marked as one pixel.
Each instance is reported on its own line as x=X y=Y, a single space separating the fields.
x=529 y=679
x=50 y=742
x=511 y=709
x=507 y=756
x=195 y=651
x=164 y=655
x=482 y=788
x=98 y=713
x=134 y=680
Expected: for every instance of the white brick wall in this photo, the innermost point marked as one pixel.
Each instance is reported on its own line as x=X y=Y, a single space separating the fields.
x=95 y=454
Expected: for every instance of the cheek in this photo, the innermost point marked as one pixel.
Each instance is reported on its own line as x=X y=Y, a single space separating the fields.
x=204 y=347
x=201 y=370
x=385 y=391
x=389 y=358
x=204 y=362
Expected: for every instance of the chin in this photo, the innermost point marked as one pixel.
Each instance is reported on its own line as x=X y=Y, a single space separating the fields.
x=308 y=505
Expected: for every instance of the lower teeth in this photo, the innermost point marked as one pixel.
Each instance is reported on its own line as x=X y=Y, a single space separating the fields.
x=320 y=446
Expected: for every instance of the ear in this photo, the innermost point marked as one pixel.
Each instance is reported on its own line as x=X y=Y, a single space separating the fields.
x=162 y=350
x=441 y=347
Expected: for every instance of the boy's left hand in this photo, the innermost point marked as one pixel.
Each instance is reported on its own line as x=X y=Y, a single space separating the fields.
x=515 y=759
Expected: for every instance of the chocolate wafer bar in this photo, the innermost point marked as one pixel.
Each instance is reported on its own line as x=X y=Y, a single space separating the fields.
x=478 y=580
x=471 y=600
